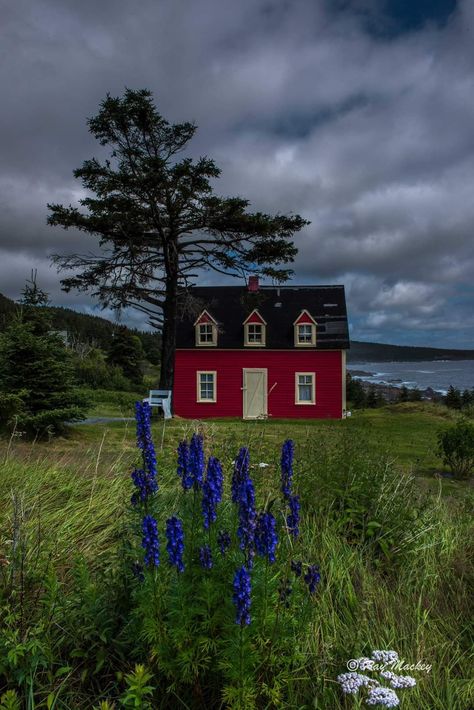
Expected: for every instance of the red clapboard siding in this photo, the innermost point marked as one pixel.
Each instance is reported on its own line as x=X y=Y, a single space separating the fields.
x=281 y=366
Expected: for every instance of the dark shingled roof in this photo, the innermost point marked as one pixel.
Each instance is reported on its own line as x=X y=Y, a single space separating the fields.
x=280 y=307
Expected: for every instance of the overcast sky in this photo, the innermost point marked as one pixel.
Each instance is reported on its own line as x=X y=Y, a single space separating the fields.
x=357 y=114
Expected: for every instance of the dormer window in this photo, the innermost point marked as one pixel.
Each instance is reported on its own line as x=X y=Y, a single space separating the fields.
x=305 y=330
x=206 y=330
x=255 y=330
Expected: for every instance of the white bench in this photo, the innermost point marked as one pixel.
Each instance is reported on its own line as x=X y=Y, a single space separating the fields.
x=160 y=398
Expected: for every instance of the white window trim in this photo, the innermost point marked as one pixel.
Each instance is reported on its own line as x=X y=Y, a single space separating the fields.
x=198 y=386
x=298 y=344
x=313 y=389
x=249 y=344
x=210 y=344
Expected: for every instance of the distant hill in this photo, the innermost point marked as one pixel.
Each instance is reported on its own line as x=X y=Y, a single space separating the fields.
x=83 y=326
x=381 y=352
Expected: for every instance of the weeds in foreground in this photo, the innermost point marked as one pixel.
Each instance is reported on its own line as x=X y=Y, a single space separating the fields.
x=85 y=623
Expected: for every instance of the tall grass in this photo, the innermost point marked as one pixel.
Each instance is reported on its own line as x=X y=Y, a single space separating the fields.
x=396 y=565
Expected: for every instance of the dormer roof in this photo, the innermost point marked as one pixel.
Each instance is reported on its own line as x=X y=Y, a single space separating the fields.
x=279 y=308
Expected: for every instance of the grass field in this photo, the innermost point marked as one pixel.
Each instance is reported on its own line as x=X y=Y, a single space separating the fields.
x=65 y=519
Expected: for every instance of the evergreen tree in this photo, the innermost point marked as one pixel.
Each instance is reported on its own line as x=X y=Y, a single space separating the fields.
x=453 y=398
x=373 y=398
x=355 y=392
x=467 y=398
x=36 y=372
x=415 y=395
x=159 y=222
x=126 y=351
x=403 y=395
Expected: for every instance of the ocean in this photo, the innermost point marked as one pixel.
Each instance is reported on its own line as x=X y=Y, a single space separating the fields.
x=438 y=374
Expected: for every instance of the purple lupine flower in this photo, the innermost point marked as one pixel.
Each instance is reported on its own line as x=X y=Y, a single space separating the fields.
x=241 y=472
x=146 y=486
x=266 y=538
x=183 y=465
x=205 y=557
x=286 y=463
x=312 y=578
x=150 y=542
x=247 y=518
x=175 y=546
x=196 y=460
x=212 y=491
x=296 y=567
x=241 y=597
x=144 y=438
x=144 y=478
x=293 y=518
x=223 y=541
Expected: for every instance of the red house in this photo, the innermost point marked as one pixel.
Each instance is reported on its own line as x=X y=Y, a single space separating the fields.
x=262 y=351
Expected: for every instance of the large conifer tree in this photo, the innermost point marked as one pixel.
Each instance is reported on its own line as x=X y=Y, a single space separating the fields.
x=159 y=222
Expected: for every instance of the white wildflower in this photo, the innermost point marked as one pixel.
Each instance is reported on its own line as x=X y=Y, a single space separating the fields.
x=351 y=682
x=385 y=656
x=365 y=664
x=263 y=465
x=402 y=681
x=383 y=696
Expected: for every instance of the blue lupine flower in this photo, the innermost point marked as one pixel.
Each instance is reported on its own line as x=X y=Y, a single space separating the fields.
x=144 y=438
x=266 y=538
x=183 y=465
x=293 y=518
x=241 y=472
x=150 y=542
x=212 y=491
x=146 y=485
x=286 y=462
x=296 y=567
x=312 y=578
x=247 y=518
x=223 y=541
x=241 y=597
x=205 y=557
x=196 y=460
x=144 y=478
x=175 y=546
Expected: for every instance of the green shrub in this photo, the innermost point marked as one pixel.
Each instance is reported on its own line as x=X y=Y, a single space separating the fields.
x=94 y=371
x=456 y=447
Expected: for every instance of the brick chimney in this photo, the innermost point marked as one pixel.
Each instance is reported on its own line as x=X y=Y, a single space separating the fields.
x=253 y=283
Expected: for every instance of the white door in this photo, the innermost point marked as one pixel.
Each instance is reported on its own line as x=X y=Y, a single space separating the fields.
x=255 y=393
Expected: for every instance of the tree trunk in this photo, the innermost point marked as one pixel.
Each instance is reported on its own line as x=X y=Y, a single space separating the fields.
x=170 y=317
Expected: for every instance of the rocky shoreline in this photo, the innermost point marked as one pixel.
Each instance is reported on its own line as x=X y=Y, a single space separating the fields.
x=391 y=392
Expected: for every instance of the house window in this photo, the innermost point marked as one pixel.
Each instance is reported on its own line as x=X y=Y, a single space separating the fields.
x=206 y=386
x=305 y=334
x=254 y=334
x=206 y=334
x=305 y=388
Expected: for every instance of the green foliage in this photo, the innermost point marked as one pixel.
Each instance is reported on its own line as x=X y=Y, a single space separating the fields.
x=456 y=447
x=36 y=373
x=10 y=701
x=404 y=394
x=355 y=392
x=75 y=623
x=139 y=690
x=94 y=371
x=453 y=398
x=126 y=352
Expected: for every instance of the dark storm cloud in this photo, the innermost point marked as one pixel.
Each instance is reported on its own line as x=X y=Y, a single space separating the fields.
x=304 y=106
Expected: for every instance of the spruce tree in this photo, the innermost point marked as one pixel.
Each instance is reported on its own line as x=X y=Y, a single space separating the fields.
x=36 y=372
x=126 y=351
